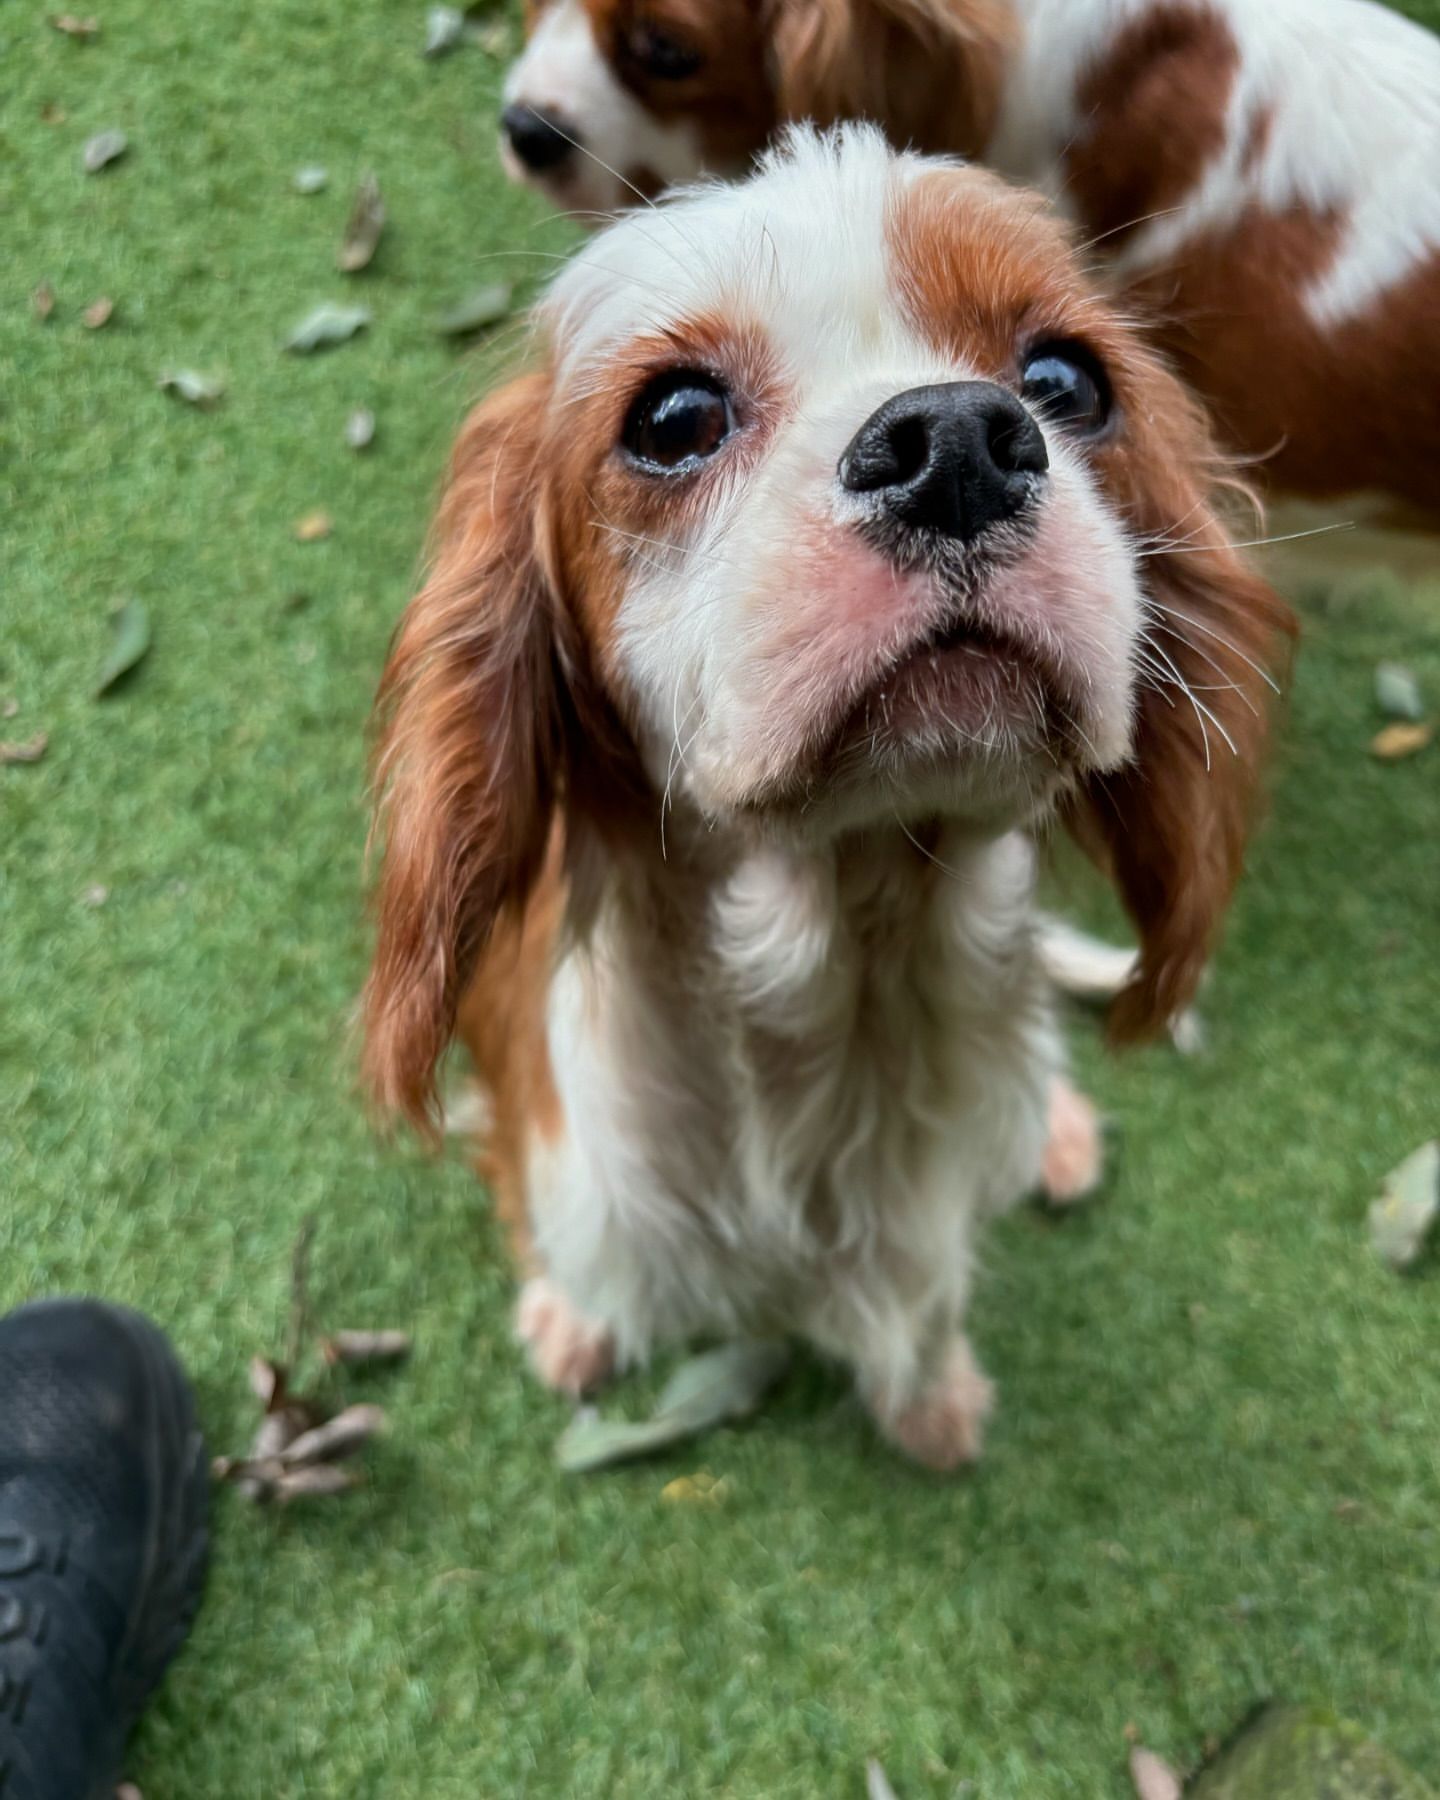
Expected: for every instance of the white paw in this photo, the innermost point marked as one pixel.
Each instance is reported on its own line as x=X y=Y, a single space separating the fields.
x=1074 y=1157
x=567 y=1351
x=945 y=1427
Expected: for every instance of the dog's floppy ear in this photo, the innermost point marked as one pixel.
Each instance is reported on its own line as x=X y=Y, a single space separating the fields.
x=928 y=71
x=468 y=751
x=1172 y=825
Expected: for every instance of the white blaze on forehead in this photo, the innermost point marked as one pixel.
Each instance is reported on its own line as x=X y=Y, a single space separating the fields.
x=799 y=249
x=563 y=72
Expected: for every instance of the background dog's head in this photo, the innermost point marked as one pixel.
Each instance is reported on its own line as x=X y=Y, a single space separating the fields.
x=842 y=502
x=616 y=99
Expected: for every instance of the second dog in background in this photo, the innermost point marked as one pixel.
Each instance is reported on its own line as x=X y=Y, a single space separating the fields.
x=1261 y=176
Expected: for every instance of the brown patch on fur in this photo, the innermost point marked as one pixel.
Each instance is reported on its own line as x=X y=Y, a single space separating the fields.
x=1257 y=139
x=1330 y=409
x=727 y=99
x=928 y=71
x=1154 y=112
x=501 y=1022
x=985 y=280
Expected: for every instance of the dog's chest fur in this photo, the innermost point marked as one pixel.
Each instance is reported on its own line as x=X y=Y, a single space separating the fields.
x=790 y=1103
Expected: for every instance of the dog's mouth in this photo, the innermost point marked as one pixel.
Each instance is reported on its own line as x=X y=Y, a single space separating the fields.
x=967 y=688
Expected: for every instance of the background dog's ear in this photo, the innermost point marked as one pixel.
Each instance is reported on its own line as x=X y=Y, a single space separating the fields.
x=469 y=743
x=928 y=71
x=1172 y=825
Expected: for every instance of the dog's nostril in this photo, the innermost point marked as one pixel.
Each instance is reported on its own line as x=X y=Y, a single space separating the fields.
x=1016 y=443
x=910 y=443
x=539 y=140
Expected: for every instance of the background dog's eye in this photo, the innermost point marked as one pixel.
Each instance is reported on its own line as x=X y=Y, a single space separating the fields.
x=662 y=56
x=1066 y=385
x=681 y=417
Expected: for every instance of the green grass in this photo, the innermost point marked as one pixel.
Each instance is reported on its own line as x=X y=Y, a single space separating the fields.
x=1194 y=1375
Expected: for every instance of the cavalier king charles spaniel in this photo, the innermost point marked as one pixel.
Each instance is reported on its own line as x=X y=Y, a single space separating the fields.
x=843 y=538
x=1262 y=177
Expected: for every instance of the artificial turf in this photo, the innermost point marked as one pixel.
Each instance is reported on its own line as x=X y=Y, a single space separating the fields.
x=1215 y=1471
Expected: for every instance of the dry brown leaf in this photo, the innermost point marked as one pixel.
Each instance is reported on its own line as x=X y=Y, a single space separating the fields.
x=1154 y=1779
x=75 y=27
x=313 y=527
x=42 y=301
x=98 y=312
x=363 y=228
x=1396 y=742
x=313 y=1484
x=342 y=1436
x=267 y=1382
x=359 y=1347
x=29 y=751
x=9 y=707
x=51 y=114
x=699 y=1489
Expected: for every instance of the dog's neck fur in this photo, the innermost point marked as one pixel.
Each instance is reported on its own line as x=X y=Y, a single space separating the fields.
x=811 y=1073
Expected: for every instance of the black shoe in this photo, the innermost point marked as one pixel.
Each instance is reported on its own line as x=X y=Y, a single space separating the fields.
x=103 y=1502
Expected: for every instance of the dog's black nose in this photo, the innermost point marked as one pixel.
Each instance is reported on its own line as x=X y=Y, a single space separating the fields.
x=955 y=458
x=537 y=139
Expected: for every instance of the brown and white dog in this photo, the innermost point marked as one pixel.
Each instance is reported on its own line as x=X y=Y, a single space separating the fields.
x=1263 y=176
x=844 y=537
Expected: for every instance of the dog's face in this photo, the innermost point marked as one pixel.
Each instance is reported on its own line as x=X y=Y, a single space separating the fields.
x=842 y=501
x=842 y=453
x=613 y=100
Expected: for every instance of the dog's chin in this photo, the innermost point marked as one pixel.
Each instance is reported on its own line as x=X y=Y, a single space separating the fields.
x=966 y=725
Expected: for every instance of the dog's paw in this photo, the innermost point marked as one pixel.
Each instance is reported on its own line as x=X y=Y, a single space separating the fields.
x=567 y=1351
x=944 y=1428
x=1074 y=1159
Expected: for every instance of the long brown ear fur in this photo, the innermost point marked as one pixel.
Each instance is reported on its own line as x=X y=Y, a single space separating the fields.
x=928 y=71
x=1172 y=825
x=468 y=751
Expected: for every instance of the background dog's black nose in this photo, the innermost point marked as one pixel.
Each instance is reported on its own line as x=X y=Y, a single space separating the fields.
x=955 y=458
x=536 y=138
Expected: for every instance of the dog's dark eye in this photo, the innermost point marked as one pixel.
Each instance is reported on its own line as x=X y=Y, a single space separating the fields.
x=1066 y=385
x=662 y=56
x=679 y=419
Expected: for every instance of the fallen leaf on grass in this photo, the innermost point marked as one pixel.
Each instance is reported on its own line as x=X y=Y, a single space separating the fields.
x=310 y=179
x=363 y=228
x=51 y=114
x=75 y=27
x=95 y=895
x=9 y=707
x=360 y=428
x=98 y=312
x=129 y=645
x=486 y=306
x=192 y=387
x=313 y=527
x=1306 y=1752
x=29 y=751
x=336 y=1439
x=724 y=1384
x=877 y=1782
x=1409 y=1204
x=1398 y=741
x=42 y=301
x=1397 y=692
x=327 y=324
x=1153 y=1778
x=492 y=37
x=444 y=29
x=699 y=1489
x=103 y=149
x=359 y=1348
